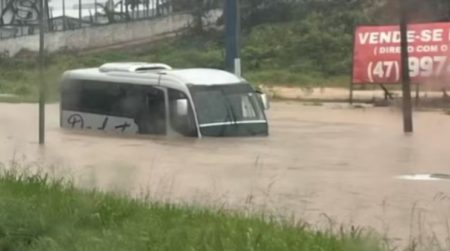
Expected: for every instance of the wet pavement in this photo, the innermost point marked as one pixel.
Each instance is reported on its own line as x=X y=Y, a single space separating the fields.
x=327 y=165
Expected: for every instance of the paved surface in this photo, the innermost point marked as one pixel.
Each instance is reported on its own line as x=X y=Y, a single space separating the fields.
x=326 y=165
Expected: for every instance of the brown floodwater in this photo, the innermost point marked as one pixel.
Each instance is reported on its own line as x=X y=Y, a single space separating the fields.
x=327 y=165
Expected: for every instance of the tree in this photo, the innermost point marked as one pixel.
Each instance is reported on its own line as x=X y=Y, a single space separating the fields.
x=419 y=12
x=109 y=9
x=255 y=12
x=199 y=10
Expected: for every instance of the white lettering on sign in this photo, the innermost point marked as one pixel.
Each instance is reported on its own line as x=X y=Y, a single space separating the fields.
x=97 y=122
x=388 y=37
x=397 y=49
x=426 y=66
x=427 y=48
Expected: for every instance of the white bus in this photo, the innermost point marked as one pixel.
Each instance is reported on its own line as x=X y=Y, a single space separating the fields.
x=144 y=98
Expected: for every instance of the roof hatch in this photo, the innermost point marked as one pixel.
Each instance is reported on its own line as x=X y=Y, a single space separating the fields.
x=133 y=67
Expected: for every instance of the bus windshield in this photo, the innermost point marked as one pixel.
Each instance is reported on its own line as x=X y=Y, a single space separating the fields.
x=229 y=110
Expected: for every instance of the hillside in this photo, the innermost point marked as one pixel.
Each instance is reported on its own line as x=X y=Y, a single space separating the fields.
x=304 y=43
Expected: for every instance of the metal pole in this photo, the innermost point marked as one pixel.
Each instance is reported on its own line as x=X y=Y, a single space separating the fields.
x=146 y=8
x=406 y=81
x=42 y=87
x=48 y=23
x=121 y=9
x=127 y=11
x=350 y=97
x=157 y=7
x=351 y=88
x=232 y=30
x=95 y=12
x=417 y=94
x=64 y=14
x=138 y=10
x=238 y=69
x=80 y=15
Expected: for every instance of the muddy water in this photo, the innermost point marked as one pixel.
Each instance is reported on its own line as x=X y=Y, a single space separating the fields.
x=326 y=165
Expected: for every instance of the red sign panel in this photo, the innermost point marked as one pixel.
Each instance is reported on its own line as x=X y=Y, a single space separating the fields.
x=376 y=56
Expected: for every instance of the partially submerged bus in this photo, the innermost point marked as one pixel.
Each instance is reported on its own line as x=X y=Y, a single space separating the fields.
x=146 y=98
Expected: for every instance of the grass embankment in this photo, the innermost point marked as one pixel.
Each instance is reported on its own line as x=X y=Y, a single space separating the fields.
x=301 y=43
x=265 y=61
x=37 y=213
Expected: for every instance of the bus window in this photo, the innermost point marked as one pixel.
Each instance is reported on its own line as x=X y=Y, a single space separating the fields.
x=182 y=122
x=70 y=95
x=145 y=105
x=151 y=115
x=99 y=98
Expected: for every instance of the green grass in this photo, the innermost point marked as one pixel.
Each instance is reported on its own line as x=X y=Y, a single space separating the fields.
x=39 y=213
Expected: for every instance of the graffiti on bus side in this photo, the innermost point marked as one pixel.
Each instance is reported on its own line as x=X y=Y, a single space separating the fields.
x=99 y=122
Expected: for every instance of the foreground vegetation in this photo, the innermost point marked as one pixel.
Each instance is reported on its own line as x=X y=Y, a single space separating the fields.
x=37 y=213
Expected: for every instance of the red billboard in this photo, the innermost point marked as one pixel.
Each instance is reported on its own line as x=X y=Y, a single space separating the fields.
x=376 y=56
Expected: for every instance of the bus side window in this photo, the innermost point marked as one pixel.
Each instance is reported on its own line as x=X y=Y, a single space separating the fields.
x=183 y=124
x=70 y=95
x=98 y=97
x=129 y=101
x=151 y=112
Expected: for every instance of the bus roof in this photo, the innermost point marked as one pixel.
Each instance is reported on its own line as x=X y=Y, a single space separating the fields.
x=204 y=76
x=194 y=76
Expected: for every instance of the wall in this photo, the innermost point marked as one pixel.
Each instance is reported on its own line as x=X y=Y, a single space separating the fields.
x=94 y=37
x=18 y=17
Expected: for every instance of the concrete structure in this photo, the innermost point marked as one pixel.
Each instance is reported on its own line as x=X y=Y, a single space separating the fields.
x=100 y=36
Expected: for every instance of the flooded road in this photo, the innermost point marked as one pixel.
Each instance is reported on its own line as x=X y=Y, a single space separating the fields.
x=326 y=165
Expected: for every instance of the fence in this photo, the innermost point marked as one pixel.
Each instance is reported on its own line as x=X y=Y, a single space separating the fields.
x=21 y=17
x=115 y=34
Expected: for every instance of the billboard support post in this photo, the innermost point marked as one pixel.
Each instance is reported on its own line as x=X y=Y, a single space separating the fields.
x=417 y=94
x=350 y=96
x=406 y=81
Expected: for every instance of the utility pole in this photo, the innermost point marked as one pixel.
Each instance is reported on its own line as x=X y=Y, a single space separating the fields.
x=41 y=65
x=95 y=12
x=64 y=14
x=406 y=81
x=80 y=14
x=232 y=31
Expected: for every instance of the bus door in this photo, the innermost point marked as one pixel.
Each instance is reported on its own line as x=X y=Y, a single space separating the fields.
x=151 y=114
